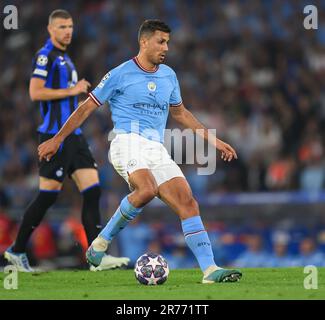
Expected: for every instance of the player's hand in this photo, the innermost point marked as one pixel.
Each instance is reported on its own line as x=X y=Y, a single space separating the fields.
x=48 y=149
x=80 y=87
x=227 y=152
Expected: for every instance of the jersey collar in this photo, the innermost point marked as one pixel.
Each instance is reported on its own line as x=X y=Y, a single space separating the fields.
x=49 y=44
x=136 y=61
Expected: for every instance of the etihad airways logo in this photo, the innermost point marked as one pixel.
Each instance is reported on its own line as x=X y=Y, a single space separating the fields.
x=151 y=106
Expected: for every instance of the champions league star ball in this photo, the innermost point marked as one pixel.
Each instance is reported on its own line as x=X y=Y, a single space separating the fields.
x=151 y=269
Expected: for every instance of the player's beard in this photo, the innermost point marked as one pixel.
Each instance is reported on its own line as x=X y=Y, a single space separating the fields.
x=155 y=59
x=154 y=62
x=159 y=60
x=63 y=43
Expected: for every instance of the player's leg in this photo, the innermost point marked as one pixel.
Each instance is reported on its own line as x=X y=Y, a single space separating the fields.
x=83 y=170
x=48 y=192
x=144 y=190
x=128 y=160
x=52 y=174
x=87 y=181
x=177 y=194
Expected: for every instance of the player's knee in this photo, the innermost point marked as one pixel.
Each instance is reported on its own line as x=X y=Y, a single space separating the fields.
x=49 y=185
x=91 y=193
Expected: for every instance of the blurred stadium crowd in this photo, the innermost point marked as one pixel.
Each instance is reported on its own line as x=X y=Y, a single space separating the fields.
x=246 y=68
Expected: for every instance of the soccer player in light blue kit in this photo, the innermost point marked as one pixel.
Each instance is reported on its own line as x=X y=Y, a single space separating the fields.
x=141 y=92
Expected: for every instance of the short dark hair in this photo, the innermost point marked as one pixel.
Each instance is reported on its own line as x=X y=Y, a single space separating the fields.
x=59 y=13
x=150 y=26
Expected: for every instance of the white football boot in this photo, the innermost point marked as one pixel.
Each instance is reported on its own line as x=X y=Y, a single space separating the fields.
x=19 y=260
x=110 y=262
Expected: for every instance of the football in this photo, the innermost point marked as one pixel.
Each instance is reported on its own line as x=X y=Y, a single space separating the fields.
x=151 y=269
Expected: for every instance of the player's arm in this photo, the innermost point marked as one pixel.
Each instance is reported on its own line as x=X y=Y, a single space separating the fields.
x=38 y=91
x=188 y=120
x=48 y=148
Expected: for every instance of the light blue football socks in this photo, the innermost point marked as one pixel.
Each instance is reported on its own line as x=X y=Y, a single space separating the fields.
x=122 y=216
x=198 y=241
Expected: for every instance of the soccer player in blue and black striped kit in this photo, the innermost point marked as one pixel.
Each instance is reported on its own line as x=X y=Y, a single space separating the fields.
x=54 y=82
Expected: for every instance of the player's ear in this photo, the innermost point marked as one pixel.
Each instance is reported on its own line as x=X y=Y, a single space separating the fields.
x=144 y=41
x=141 y=42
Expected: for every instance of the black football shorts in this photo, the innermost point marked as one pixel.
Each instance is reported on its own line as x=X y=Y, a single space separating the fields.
x=73 y=154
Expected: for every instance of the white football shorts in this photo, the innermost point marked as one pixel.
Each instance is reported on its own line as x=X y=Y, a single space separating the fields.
x=130 y=152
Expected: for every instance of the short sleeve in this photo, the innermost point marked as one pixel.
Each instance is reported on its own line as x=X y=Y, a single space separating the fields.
x=175 y=98
x=41 y=65
x=106 y=88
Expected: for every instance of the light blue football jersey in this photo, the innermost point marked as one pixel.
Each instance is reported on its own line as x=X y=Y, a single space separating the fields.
x=139 y=99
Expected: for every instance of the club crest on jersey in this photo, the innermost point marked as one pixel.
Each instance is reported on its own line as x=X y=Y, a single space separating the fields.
x=42 y=60
x=132 y=163
x=59 y=172
x=151 y=86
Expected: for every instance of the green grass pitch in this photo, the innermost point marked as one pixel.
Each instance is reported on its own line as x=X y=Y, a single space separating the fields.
x=261 y=283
